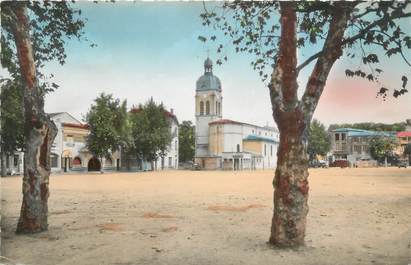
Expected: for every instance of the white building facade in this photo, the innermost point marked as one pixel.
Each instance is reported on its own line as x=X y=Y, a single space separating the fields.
x=68 y=151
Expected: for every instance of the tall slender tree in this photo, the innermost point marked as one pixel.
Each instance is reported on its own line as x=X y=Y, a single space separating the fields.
x=357 y=29
x=186 y=141
x=32 y=34
x=318 y=140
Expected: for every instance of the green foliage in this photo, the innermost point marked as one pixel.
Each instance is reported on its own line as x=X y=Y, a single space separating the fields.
x=373 y=31
x=186 y=141
x=150 y=131
x=107 y=119
x=12 y=117
x=318 y=140
x=382 y=147
x=52 y=24
x=371 y=126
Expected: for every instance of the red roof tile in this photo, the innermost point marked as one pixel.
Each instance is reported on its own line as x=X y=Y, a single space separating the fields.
x=404 y=134
x=225 y=121
x=73 y=125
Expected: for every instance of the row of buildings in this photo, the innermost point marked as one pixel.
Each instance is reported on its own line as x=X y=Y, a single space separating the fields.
x=69 y=152
x=219 y=143
x=353 y=145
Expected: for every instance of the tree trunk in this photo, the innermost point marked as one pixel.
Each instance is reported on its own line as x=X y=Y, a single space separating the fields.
x=39 y=132
x=293 y=117
x=290 y=184
x=3 y=166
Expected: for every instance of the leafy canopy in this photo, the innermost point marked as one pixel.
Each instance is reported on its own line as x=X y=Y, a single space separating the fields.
x=395 y=127
x=374 y=31
x=150 y=131
x=382 y=147
x=52 y=24
x=12 y=120
x=318 y=140
x=107 y=119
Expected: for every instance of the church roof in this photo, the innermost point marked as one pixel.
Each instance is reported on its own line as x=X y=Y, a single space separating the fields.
x=228 y=121
x=79 y=126
x=259 y=138
x=208 y=81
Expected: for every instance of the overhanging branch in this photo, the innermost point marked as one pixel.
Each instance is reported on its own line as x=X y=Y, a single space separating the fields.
x=352 y=39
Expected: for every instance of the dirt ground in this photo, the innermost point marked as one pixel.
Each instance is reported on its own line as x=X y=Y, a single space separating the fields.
x=357 y=216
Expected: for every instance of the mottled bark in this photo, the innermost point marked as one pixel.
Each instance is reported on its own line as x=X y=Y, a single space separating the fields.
x=290 y=183
x=293 y=118
x=39 y=132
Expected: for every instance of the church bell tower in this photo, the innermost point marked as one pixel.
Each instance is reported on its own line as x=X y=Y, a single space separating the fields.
x=208 y=107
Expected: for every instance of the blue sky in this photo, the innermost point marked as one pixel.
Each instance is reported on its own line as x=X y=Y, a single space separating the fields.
x=151 y=49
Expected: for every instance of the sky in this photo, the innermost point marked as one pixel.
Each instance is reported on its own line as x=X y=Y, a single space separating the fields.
x=151 y=49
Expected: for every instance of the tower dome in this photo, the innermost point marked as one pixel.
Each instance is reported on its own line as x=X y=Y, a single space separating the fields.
x=208 y=63
x=208 y=81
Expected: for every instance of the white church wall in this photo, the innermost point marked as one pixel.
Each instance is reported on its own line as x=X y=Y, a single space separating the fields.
x=233 y=136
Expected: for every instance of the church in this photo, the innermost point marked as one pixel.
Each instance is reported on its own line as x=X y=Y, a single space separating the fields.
x=224 y=143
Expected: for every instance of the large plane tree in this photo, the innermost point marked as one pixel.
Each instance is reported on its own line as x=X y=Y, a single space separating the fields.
x=272 y=32
x=33 y=33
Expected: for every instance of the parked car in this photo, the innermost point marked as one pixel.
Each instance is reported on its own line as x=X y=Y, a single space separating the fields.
x=318 y=163
x=340 y=163
x=196 y=166
x=402 y=163
x=186 y=165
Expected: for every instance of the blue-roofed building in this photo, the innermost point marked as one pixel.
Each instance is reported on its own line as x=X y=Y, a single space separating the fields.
x=353 y=144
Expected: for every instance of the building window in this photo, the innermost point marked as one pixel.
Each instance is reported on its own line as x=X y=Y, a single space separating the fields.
x=16 y=160
x=201 y=108
x=342 y=136
x=271 y=150
x=337 y=137
x=253 y=131
x=176 y=145
x=53 y=160
x=265 y=149
x=207 y=107
x=170 y=161
x=357 y=149
x=238 y=148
